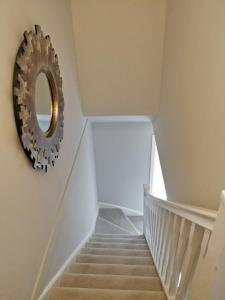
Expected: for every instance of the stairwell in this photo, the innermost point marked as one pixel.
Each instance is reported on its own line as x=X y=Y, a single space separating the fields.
x=114 y=264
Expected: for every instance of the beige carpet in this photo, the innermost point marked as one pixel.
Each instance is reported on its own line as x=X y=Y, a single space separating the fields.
x=111 y=267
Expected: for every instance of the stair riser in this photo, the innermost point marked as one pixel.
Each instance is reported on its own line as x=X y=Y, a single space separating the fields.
x=123 y=241
x=113 y=269
x=100 y=259
x=119 y=236
x=117 y=246
x=111 y=282
x=116 y=252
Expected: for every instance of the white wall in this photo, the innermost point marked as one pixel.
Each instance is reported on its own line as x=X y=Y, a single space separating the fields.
x=157 y=185
x=190 y=130
x=30 y=198
x=122 y=156
x=119 y=47
x=79 y=210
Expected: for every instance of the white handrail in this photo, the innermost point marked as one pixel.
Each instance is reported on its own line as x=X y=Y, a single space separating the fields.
x=182 y=242
x=201 y=216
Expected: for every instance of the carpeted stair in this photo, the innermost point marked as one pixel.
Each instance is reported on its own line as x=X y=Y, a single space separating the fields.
x=111 y=266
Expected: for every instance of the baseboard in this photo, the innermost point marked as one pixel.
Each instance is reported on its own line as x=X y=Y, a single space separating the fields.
x=127 y=211
x=53 y=282
x=120 y=119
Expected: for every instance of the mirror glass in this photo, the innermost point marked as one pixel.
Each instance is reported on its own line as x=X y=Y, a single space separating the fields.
x=43 y=102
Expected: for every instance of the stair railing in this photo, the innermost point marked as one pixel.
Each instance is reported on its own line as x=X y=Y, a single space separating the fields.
x=188 y=247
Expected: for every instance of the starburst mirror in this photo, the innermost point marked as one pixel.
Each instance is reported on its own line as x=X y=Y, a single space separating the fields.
x=38 y=99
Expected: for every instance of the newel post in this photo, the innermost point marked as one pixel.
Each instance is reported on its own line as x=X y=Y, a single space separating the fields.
x=208 y=282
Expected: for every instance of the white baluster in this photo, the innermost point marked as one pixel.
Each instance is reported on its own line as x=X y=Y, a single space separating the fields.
x=191 y=258
x=159 y=215
x=174 y=250
x=165 y=240
x=162 y=229
x=168 y=241
x=156 y=230
x=178 y=236
x=181 y=248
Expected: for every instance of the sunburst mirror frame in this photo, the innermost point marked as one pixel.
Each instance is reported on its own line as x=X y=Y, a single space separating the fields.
x=36 y=55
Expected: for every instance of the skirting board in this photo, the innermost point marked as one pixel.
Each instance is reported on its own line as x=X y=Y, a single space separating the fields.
x=67 y=263
x=120 y=119
x=126 y=210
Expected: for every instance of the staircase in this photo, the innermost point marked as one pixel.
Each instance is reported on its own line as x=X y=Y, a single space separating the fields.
x=114 y=264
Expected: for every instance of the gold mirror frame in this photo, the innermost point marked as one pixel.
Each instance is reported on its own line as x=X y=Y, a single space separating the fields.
x=36 y=55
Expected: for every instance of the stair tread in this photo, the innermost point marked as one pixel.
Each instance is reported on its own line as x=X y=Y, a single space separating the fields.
x=120 y=269
x=112 y=275
x=113 y=259
x=106 y=281
x=116 y=252
x=117 y=245
x=116 y=257
x=59 y=293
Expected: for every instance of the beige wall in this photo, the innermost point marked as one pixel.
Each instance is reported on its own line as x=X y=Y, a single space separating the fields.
x=119 y=49
x=30 y=198
x=190 y=129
